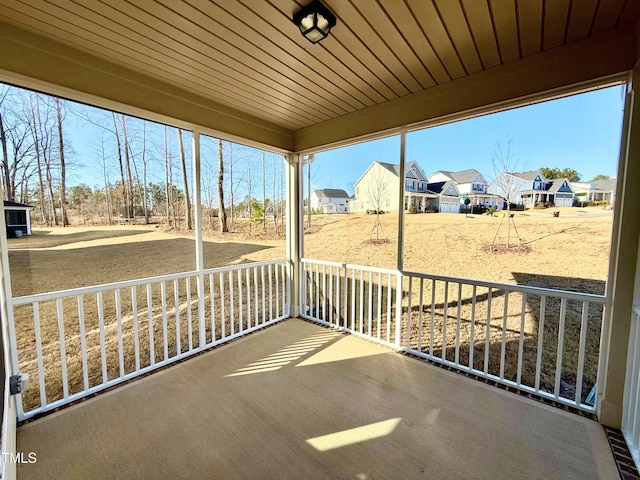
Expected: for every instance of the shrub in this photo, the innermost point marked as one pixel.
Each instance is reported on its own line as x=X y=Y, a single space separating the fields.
x=491 y=211
x=412 y=209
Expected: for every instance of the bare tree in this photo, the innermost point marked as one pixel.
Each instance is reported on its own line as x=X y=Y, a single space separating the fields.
x=5 y=158
x=17 y=142
x=505 y=164
x=222 y=214
x=145 y=200
x=378 y=195
x=125 y=191
x=231 y=189
x=127 y=150
x=185 y=180
x=105 y=170
x=63 y=168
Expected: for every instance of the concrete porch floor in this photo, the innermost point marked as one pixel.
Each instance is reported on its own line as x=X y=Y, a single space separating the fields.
x=299 y=401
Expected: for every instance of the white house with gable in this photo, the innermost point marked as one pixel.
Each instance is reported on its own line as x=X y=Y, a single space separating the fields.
x=330 y=200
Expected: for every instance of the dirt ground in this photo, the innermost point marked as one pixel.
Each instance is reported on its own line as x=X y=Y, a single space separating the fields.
x=569 y=252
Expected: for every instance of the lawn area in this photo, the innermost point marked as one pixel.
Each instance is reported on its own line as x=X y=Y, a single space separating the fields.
x=566 y=252
x=555 y=250
x=559 y=250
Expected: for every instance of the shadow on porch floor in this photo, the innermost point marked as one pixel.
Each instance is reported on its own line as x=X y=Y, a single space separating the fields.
x=300 y=401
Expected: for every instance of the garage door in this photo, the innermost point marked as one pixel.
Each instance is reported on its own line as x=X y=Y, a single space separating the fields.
x=563 y=202
x=449 y=207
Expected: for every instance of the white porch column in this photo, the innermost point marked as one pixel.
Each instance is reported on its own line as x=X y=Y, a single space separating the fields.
x=622 y=266
x=11 y=405
x=295 y=232
x=403 y=140
x=197 y=201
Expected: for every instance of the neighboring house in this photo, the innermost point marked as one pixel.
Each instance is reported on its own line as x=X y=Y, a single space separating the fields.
x=595 y=191
x=470 y=184
x=531 y=188
x=440 y=197
x=330 y=200
x=560 y=193
x=377 y=189
x=18 y=218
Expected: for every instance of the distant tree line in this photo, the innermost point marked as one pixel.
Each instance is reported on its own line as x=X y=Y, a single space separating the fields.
x=138 y=169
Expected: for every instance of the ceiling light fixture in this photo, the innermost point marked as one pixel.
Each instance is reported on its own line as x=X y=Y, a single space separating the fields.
x=314 y=21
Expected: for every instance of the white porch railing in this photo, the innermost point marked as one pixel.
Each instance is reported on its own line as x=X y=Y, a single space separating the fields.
x=631 y=405
x=538 y=340
x=76 y=342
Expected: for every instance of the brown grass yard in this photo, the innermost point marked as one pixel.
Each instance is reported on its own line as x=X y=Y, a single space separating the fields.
x=568 y=252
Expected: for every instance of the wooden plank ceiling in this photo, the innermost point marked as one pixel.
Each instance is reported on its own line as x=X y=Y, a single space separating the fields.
x=248 y=55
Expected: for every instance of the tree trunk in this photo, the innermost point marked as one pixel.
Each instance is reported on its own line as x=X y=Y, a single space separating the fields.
x=185 y=181
x=107 y=189
x=130 y=210
x=222 y=214
x=124 y=183
x=36 y=143
x=63 y=169
x=5 y=161
x=144 y=173
x=230 y=180
x=50 y=187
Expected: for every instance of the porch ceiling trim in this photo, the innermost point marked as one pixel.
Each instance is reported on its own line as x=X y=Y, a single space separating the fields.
x=584 y=64
x=36 y=62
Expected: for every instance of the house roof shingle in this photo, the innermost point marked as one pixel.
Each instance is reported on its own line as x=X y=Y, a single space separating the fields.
x=331 y=193
x=463 y=176
x=608 y=185
x=8 y=203
x=395 y=169
x=529 y=176
x=556 y=183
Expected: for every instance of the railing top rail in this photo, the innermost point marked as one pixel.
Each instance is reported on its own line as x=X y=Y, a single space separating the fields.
x=72 y=292
x=589 y=297
x=351 y=265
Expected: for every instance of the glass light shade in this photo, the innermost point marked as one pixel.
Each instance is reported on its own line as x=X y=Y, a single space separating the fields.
x=314 y=21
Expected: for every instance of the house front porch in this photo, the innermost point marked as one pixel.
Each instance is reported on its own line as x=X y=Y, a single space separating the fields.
x=298 y=400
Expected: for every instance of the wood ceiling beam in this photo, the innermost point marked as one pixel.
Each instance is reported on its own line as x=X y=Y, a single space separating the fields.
x=555 y=71
x=32 y=61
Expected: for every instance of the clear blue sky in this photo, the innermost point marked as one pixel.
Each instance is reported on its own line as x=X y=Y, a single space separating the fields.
x=581 y=132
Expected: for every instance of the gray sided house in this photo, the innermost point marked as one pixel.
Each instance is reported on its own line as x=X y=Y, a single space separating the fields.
x=442 y=197
x=18 y=218
x=560 y=193
x=532 y=188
